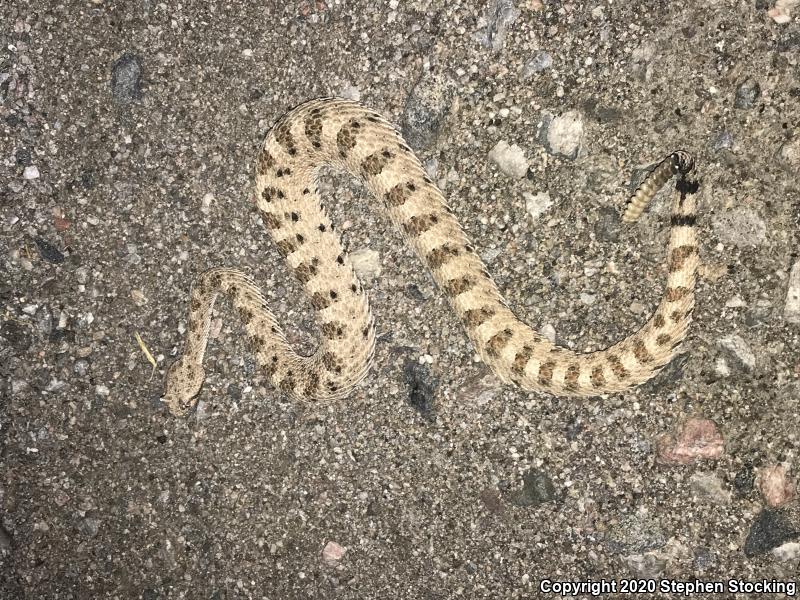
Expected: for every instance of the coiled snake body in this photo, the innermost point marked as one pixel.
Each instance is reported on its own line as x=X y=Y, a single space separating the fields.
x=343 y=134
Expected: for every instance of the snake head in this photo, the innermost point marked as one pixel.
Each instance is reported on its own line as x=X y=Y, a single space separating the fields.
x=183 y=383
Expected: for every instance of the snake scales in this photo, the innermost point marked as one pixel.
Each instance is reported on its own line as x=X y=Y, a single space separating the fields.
x=345 y=135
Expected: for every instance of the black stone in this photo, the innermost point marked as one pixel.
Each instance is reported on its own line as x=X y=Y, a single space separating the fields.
x=16 y=335
x=49 y=252
x=234 y=392
x=744 y=480
x=23 y=156
x=770 y=530
x=422 y=387
x=537 y=489
x=126 y=79
x=5 y=539
x=62 y=335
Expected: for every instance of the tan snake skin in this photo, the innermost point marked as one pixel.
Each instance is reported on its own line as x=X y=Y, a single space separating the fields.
x=345 y=135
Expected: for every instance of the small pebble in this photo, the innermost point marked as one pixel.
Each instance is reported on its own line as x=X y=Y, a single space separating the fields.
x=789 y=153
x=205 y=203
x=788 y=552
x=781 y=13
x=646 y=566
x=23 y=156
x=30 y=172
x=721 y=367
x=735 y=302
x=44 y=321
x=739 y=351
x=588 y=299
x=351 y=92
x=366 y=263
x=537 y=204
x=422 y=387
x=637 y=308
x=791 y=309
x=565 y=134
x=55 y=385
x=694 y=440
x=642 y=61
x=501 y=14
x=541 y=62
x=81 y=367
x=332 y=553
x=723 y=141
x=510 y=159
x=549 y=332
x=432 y=167
x=18 y=386
x=426 y=110
x=89 y=527
x=747 y=94
x=744 y=480
x=775 y=485
x=709 y=486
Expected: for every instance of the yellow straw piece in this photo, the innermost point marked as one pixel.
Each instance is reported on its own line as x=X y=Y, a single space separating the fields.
x=149 y=356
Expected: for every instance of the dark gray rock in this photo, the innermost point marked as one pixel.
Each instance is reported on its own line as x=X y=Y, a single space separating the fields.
x=413 y=292
x=748 y=92
x=5 y=539
x=126 y=79
x=607 y=226
x=537 y=488
x=234 y=392
x=16 y=335
x=744 y=480
x=23 y=156
x=422 y=389
x=770 y=529
x=48 y=251
x=426 y=109
x=89 y=527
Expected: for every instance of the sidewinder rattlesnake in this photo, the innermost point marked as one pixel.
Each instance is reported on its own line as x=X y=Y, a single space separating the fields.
x=345 y=135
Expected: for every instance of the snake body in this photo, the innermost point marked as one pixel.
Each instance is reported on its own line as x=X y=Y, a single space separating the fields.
x=345 y=135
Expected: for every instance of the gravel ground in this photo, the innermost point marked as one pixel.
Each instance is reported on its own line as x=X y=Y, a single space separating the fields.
x=128 y=137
